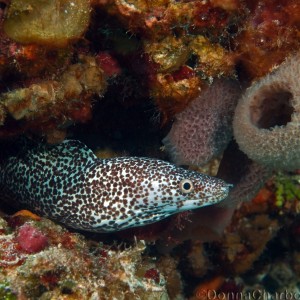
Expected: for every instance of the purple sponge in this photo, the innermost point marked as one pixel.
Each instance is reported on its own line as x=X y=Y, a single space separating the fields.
x=203 y=130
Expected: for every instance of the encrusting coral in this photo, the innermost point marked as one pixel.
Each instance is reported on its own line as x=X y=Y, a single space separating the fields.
x=159 y=18
x=173 y=83
x=203 y=130
x=50 y=103
x=179 y=45
x=267 y=118
x=173 y=91
x=245 y=243
x=169 y=54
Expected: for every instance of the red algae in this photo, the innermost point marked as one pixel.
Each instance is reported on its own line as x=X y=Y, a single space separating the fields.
x=31 y=239
x=152 y=274
x=108 y=64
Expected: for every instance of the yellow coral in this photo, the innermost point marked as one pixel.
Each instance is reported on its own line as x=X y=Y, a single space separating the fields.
x=169 y=54
x=213 y=59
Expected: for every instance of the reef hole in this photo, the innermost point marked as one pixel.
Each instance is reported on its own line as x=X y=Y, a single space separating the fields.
x=271 y=108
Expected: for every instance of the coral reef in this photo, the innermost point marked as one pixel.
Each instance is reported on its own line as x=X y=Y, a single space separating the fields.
x=265 y=221
x=115 y=75
x=266 y=121
x=49 y=104
x=30 y=60
x=252 y=250
x=157 y=19
x=174 y=84
x=173 y=92
x=168 y=266
x=269 y=35
x=203 y=130
x=180 y=62
x=69 y=267
x=168 y=54
x=246 y=244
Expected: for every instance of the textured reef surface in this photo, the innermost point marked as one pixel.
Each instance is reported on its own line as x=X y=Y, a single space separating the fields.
x=40 y=260
x=200 y=86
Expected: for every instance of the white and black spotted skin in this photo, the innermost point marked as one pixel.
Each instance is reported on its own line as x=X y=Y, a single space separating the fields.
x=67 y=182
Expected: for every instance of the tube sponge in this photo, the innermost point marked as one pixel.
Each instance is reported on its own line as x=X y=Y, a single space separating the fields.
x=267 y=118
x=204 y=129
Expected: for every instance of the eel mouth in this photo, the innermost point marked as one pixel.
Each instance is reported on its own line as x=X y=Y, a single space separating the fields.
x=220 y=195
x=223 y=192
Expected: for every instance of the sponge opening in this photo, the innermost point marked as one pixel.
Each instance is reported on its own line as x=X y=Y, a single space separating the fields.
x=271 y=108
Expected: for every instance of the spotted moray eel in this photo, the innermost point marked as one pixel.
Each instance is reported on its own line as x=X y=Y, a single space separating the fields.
x=68 y=183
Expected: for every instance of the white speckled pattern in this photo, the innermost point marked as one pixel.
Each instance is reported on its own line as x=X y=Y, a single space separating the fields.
x=68 y=183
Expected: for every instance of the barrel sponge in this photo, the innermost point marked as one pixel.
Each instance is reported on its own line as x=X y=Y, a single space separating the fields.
x=267 y=118
x=203 y=130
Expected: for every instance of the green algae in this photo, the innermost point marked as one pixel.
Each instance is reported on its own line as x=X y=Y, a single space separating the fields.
x=5 y=292
x=287 y=188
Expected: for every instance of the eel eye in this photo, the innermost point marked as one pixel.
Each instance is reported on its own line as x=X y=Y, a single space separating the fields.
x=186 y=186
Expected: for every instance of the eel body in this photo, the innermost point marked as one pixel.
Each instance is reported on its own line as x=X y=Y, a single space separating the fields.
x=68 y=183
